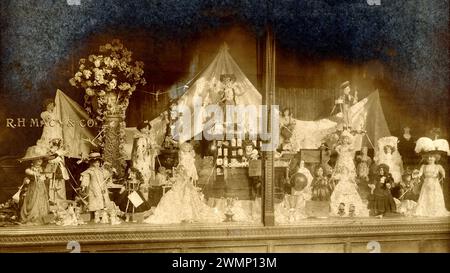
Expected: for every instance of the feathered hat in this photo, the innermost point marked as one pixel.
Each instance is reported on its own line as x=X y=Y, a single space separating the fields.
x=426 y=146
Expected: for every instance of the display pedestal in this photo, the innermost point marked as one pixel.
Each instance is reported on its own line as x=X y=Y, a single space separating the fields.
x=318 y=209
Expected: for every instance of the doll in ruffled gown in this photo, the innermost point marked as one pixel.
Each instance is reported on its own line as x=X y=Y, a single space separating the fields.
x=184 y=202
x=431 y=199
x=345 y=194
x=186 y=157
x=346 y=153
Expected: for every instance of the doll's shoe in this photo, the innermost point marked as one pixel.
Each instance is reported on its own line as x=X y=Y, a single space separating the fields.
x=96 y=218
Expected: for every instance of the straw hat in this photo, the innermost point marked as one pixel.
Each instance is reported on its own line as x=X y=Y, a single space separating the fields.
x=345 y=84
x=34 y=153
x=94 y=156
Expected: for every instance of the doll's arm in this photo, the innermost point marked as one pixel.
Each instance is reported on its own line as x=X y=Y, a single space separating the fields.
x=442 y=172
x=421 y=171
x=30 y=172
x=46 y=116
x=61 y=152
x=85 y=179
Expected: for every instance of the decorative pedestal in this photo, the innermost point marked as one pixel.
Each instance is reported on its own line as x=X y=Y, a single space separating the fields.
x=112 y=150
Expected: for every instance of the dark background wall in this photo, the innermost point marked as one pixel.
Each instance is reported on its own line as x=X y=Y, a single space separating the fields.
x=400 y=47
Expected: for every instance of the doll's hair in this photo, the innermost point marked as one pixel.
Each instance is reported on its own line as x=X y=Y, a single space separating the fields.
x=232 y=77
x=137 y=173
x=56 y=142
x=317 y=168
x=144 y=124
x=34 y=162
x=383 y=167
x=392 y=148
x=47 y=102
x=436 y=156
x=287 y=109
x=405 y=176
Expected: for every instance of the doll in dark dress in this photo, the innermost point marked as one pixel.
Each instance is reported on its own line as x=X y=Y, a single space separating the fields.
x=380 y=199
x=135 y=183
x=321 y=186
x=406 y=146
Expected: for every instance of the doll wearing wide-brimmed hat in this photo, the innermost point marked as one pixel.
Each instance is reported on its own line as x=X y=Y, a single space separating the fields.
x=35 y=206
x=431 y=201
x=94 y=181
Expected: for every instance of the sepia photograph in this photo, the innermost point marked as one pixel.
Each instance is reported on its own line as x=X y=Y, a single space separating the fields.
x=232 y=126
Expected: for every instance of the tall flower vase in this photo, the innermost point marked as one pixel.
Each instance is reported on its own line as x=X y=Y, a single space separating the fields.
x=113 y=148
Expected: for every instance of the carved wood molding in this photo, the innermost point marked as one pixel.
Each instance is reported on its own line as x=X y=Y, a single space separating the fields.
x=133 y=233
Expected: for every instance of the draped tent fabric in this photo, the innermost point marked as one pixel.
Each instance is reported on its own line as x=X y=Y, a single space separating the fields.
x=75 y=131
x=206 y=88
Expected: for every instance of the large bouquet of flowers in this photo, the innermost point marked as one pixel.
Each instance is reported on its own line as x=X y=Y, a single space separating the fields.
x=108 y=79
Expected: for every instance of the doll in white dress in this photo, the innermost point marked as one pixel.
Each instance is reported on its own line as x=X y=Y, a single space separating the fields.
x=388 y=154
x=52 y=125
x=144 y=152
x=431 y=199
x=186 y=157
